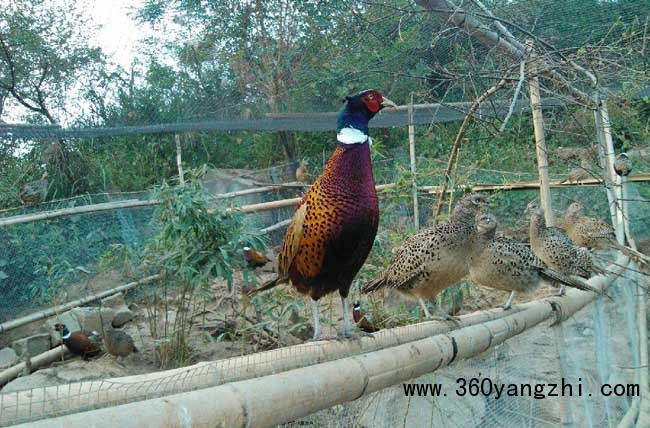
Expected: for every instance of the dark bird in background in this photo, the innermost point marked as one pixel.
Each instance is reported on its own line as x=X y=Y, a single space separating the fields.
x=335 y=222
x=359 y=317
x=556 y=250
x=506 y=264
x=118 y=343
x=255 y=259
x=589 y=232
x=302 y=174
x=34 y=192
x=623 y=165
x=86 y=344
x=434 y=259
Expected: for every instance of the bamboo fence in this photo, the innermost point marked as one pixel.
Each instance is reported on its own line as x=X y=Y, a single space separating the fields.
x=283 y=394
x=284 y=203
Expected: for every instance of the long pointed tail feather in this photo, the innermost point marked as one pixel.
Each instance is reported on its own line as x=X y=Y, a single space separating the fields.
x=266 y=286
x=374 y=285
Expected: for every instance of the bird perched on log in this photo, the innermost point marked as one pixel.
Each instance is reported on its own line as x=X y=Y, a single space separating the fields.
x=118 y=343
x=435 y=258
x=255 y=259
x=302 y=175
x=335 y=222
x=34 y=192
x=622 y=164
x=556 y=250
x=359 y=316
x=592 y=233
x=86 y=344
x=506 y=264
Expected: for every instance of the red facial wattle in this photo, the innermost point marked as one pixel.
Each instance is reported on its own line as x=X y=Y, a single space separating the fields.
x=373 y=104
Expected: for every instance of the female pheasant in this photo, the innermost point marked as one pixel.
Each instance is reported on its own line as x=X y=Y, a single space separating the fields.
x=556 y=250
x=505 y=264
x=335 y=223
x=434 y=259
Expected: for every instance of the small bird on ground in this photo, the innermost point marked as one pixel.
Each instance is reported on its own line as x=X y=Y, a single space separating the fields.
x=86 y=344
x=255 y=259
x=505 y=264
x=34 y=192
x=623 y=165
x=555 y=249
x=593 y=233
x=118 y=343
x=435 y=258
x=335 y=222
x=359 y=316
x=302 y=175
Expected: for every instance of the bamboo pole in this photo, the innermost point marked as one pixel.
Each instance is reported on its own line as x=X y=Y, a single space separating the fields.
x=283 y=203
x=38 y=361
x=76 y=397
x=540 y=145
x=411 y=131
x=282 y=397
x=10 y=325
x=18 y=407
x=179 y=160
x=276 y=226
x=615 y=180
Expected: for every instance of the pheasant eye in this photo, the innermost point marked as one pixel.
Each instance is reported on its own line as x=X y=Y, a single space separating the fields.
x=370 y=96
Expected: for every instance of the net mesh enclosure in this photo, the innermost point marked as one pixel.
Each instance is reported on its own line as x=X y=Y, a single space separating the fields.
x=143 y=147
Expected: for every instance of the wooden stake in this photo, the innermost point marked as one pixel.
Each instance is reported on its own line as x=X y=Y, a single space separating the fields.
x=179 y=160
x=411 y=126
x=540 y=145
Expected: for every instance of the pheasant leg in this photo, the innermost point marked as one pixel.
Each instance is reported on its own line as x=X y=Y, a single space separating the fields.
x=508 y=303
x=427 y=314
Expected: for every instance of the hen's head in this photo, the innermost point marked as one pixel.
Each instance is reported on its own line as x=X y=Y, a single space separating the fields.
x=486 y=224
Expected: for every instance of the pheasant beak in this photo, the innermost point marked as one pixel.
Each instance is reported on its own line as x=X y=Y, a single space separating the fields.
x=388 y=103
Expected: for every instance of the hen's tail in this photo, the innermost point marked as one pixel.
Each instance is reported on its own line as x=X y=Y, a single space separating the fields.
x=568 y=281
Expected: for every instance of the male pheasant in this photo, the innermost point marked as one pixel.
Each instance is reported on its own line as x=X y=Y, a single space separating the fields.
x=335 y=223
x=435 y=258
x=506 y=264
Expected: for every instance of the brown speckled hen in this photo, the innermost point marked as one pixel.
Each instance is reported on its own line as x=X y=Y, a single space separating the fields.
x=434 y=259
x=335 y=223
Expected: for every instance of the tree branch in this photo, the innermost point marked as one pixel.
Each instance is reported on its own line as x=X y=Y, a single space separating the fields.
x=459 y=136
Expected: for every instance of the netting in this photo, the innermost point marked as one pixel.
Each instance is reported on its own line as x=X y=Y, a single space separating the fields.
x=247 y=90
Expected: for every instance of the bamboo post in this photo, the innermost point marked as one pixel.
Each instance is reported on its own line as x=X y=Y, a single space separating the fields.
x=540 y=145
x=179 y=160
x=411 y=126
x=610 y=158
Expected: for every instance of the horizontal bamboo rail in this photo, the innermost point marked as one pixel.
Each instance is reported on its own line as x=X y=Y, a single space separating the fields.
x=265 y=206
x=289 y=395
x=77 y=397
x=10 y=325
x=81 y=396
x=36 y=362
